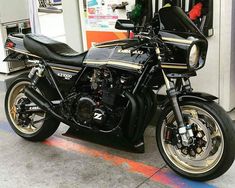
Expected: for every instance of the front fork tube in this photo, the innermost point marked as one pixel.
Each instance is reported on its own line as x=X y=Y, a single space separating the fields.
x=172 y=95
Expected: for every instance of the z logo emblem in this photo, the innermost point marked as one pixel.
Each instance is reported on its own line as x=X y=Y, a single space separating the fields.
x=97 y=116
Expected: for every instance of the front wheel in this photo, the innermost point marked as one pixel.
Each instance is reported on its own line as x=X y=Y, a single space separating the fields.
x=211 y=150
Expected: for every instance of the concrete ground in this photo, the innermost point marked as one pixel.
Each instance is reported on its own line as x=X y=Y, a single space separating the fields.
x=64 y=162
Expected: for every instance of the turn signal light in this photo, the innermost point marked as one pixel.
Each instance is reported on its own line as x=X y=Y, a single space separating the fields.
x=10 y=44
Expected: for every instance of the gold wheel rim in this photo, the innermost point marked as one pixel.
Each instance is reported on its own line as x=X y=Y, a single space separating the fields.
x=17 y=93
x=201 y=163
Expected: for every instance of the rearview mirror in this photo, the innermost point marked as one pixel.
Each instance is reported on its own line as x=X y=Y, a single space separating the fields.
x=124 y=25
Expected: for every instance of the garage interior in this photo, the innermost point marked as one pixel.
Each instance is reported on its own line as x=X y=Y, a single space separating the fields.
x=91 y=160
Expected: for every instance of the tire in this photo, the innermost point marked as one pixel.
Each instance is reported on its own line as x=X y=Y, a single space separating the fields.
x=48 y=125
x=218 y=146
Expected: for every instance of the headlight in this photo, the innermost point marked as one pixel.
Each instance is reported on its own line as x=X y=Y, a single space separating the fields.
x=194 y=56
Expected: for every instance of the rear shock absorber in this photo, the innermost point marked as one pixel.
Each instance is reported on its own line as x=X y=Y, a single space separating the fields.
x=36 y=73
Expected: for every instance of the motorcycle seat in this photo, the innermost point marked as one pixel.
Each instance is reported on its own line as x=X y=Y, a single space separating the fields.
x=52 y=50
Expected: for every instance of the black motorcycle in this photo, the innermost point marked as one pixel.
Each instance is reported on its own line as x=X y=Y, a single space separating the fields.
x=113 y=89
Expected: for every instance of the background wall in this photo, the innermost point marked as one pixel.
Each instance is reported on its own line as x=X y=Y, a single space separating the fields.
x=227 y=47
x=12 y=10
x=208 y=77
x=72 y=22
x=232 y=53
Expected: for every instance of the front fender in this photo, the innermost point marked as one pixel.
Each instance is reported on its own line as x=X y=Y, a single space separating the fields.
x=163 y=101
x=197 y=96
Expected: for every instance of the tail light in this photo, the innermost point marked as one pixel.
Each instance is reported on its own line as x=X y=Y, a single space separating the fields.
x=9 y=44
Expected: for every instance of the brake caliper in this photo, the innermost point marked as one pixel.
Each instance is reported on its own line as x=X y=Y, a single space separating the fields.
x=24 y=117
x=172 y=135
x=192 y=142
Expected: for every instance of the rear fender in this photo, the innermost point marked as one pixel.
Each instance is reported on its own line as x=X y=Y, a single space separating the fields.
x=16 y=57
x=16 y=50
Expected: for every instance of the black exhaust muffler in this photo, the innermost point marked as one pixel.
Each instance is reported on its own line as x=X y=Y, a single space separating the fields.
x=38 y=99
x=44 y=104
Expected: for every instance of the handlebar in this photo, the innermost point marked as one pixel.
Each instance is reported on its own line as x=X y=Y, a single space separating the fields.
x=142 y=40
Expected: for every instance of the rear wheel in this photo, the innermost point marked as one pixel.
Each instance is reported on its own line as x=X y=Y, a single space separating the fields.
x=36 y=125
x=211 y=151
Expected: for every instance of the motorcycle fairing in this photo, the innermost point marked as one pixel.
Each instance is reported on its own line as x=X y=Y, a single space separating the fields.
x=179 y=34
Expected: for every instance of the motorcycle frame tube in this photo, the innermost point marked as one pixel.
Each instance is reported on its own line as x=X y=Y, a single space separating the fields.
x=53 y=79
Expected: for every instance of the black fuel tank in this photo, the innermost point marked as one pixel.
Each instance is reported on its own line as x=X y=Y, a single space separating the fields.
x=111 y=54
